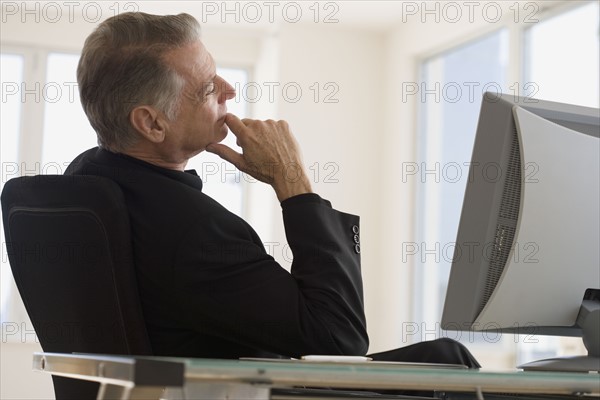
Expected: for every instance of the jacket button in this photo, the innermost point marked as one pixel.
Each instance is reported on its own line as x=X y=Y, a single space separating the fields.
x=356 y=239
x=355 y=229
x=357 y=248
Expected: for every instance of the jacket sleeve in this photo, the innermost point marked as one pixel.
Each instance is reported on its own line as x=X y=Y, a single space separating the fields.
x=233 y=289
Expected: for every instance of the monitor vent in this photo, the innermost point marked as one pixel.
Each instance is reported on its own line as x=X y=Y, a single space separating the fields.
x=507 y=221
x=511 y=193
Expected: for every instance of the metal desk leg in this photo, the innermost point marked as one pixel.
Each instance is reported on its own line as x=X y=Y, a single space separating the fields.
x=229 y=391
x=116 y=392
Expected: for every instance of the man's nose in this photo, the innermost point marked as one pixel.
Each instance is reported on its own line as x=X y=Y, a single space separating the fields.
x=227 y=91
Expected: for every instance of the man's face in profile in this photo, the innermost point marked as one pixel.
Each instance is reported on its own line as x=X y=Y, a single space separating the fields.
x=202 y=108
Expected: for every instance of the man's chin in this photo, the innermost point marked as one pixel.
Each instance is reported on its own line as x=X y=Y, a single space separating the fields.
x=221 y=134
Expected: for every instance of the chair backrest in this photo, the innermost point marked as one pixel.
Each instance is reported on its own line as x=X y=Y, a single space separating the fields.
x=69 y=245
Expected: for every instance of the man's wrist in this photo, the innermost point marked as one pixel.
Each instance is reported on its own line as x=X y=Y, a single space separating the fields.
x=286 y=189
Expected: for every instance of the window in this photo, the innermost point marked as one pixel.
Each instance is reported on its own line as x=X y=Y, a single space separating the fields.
x=11 y=66
x=62 y=140
x=560 y=63
x=566 y=45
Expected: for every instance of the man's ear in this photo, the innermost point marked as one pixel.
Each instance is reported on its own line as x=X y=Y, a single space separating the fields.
x=148 y=122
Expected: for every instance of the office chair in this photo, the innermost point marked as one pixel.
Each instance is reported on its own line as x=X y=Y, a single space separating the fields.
x=69 y=245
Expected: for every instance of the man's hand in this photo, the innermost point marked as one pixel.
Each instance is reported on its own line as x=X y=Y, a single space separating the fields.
x=270 y=154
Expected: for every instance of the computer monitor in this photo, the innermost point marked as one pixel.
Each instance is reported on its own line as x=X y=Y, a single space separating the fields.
x=527 y=257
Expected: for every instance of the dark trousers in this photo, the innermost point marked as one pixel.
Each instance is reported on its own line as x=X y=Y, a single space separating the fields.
x=440 y=351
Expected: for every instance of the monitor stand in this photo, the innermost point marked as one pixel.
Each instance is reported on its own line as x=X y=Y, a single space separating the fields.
x=589 y=321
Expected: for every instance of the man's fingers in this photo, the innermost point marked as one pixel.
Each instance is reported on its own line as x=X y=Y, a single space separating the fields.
x=235 y=124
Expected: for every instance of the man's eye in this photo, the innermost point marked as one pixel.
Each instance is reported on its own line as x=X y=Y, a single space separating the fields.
x=210 y=88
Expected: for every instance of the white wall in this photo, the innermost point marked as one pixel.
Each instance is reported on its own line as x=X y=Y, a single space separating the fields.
x=343 y=138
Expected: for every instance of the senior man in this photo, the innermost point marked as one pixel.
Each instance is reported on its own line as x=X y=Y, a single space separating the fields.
x=208 y=288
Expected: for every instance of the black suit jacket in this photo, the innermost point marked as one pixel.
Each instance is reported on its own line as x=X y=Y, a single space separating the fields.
x=208 y=287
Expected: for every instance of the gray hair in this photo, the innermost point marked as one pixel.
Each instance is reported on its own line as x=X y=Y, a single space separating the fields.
x=121 y=67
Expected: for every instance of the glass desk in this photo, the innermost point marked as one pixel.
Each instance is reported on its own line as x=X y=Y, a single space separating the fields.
x=133 y=377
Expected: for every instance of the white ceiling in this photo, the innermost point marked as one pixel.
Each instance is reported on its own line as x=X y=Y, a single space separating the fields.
x=363 y=14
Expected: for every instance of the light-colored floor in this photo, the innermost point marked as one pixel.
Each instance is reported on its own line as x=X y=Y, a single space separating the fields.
x=17 y=380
